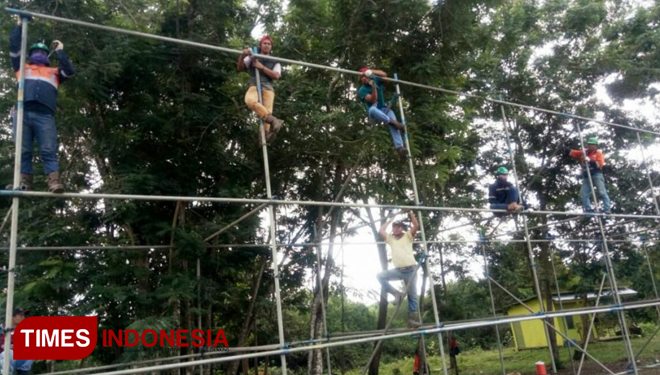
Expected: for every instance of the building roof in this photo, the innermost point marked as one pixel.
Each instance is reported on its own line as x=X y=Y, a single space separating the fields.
x=568 y=297
x=573 y=297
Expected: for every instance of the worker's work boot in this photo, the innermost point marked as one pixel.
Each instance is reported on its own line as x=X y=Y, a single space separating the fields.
x=54 y=185
x=25 y=184
x=275 y=126
x=402 y=152
x=412 y=320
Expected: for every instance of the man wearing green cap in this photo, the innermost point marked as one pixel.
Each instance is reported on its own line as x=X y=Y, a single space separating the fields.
x=502 y=195
x=595 y=168
x=40 y=102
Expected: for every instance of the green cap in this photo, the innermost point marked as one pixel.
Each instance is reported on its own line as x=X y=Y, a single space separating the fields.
x=592 y=141
x=40 y=46
x=502 y=170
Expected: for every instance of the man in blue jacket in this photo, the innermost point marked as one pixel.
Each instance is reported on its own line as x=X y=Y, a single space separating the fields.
x=502 y=195
x=40 y=103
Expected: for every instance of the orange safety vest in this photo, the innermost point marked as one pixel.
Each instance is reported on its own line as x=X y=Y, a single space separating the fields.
x=42 y=73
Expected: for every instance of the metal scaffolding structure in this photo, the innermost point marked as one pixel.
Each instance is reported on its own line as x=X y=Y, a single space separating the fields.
x=284 y=347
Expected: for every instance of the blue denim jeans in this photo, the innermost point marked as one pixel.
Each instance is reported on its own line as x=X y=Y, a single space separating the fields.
x=41 y=127
x=21 y=366
x=409 y=276
x=385 y=115
x=601 y=192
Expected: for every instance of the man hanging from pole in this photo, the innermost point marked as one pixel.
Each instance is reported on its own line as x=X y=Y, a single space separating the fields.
x=371 y=93
x=502 y=195
x=594 y=167
x=405 y=265
x=41 y=86
x=269 y=71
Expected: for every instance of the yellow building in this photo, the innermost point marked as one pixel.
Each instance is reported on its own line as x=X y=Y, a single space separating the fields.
x=530 y=334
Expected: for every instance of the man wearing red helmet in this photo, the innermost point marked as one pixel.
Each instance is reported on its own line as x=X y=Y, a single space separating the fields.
x=371 y=93
x=269 y=71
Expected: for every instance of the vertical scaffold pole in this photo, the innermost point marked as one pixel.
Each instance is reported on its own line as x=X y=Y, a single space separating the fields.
x=436 y=315
x=530 y=250
x=657 y=212
x=13 y=236
x=273 y=238
x=492 y=301
x=648 y=174
x=608 y=261
x=319 y=281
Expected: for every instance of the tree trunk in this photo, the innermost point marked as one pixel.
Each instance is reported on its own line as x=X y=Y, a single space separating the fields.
x=382 y=306
x=245 y=330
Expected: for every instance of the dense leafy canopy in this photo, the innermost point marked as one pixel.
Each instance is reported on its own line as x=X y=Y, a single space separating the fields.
x=145 y=117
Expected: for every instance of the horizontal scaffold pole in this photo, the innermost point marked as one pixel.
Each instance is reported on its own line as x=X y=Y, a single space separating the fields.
x=441 y=328
x=316 y=66
x=43 y=194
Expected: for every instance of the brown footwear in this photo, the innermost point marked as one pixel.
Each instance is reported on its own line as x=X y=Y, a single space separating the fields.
x=412 y=320
x=54 y=185
x=402 y=152
x=25 y=184
x=276 y=124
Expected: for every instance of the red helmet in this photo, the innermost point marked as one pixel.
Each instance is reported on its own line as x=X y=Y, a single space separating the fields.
x=364 y=69
x=265 y=37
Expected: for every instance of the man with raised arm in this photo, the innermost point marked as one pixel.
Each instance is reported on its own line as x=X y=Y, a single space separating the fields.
x=371 y=93
x=269 y=72
x=405 y=265
x=42 y=82
x=594 y=167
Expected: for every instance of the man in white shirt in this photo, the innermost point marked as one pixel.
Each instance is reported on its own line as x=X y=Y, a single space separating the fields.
x=405 y=265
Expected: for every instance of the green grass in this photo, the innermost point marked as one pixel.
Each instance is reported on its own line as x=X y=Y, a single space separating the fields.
x=481 y=362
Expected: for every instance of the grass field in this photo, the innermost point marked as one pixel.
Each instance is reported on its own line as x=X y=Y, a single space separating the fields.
x=487 y=362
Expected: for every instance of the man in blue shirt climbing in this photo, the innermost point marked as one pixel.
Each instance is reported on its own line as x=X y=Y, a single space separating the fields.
x=371 y=93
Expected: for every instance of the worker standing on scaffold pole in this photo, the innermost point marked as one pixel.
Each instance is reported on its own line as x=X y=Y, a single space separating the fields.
x=405 y=265
x=41 y=85
x=269 y=71
x=595 y=165
x=371 y=93
x=502 y=195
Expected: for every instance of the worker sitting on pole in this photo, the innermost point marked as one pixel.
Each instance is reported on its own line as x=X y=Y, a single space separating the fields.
x=371 y=93
x=269 y=71
x=40 y=102
x=594 y=167
x=502 y=195
x=405 y=265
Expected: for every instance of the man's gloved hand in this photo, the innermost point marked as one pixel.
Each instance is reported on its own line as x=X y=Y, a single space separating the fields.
x=59 y=46
x=368 y=73
x=19 y=19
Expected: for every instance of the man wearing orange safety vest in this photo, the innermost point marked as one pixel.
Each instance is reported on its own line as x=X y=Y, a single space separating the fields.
x=593 y=167
x=40 y=102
